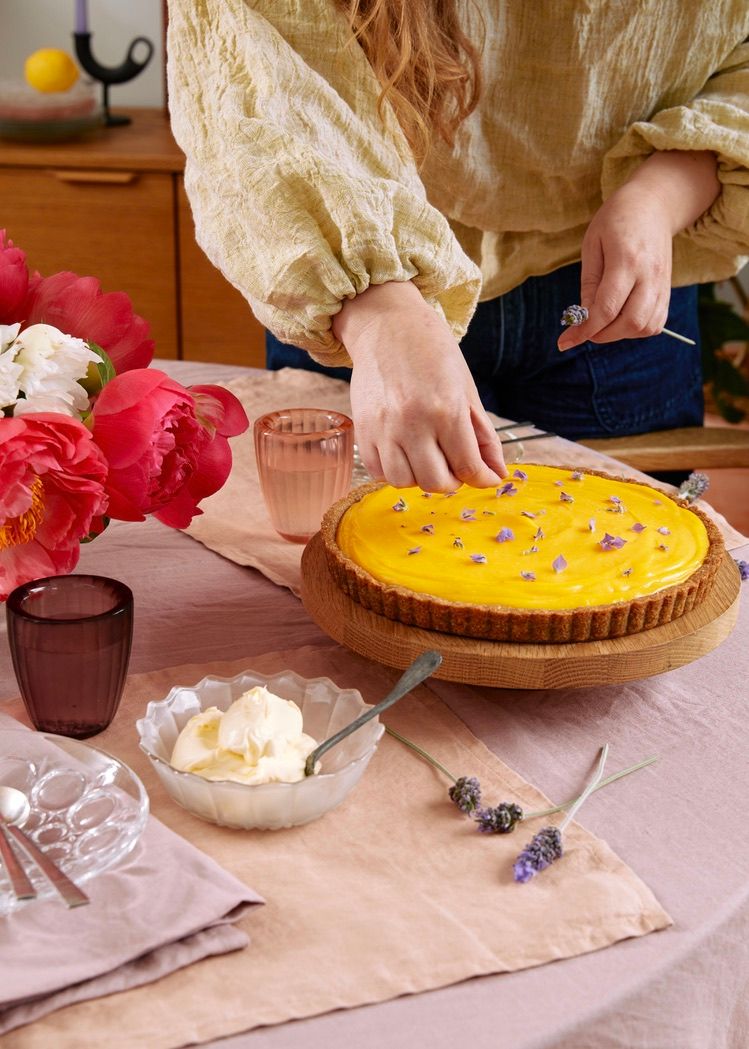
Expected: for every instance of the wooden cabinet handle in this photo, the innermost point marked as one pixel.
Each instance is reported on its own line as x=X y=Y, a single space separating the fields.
x=119 y=178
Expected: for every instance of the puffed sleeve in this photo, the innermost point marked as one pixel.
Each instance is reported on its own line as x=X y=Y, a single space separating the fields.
x=717 y=119
x=301 y=195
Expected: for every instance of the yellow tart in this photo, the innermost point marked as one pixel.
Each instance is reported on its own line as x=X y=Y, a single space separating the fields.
x=553 y=554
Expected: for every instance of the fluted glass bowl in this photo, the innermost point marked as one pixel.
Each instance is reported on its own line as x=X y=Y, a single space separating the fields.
x=265 y=806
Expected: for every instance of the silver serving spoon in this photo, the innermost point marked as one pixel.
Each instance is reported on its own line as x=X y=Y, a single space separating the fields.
x=418 y=671
x=14 y=810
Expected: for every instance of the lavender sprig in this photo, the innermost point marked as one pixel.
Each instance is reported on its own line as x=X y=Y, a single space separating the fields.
x=573 y=316
x=546 y=846
x=694 y=487
x=491 y=822
x=743 y=567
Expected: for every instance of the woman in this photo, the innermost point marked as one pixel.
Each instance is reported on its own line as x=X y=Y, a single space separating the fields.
x=365 y=170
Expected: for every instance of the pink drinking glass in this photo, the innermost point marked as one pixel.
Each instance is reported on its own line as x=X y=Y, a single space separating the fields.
x=304 y=460
x=70 y=638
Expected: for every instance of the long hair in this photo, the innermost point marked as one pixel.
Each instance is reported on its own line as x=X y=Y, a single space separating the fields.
x=428 y=67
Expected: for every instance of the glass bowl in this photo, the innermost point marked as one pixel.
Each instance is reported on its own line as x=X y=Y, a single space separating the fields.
x=266 y=806
x=88 y=809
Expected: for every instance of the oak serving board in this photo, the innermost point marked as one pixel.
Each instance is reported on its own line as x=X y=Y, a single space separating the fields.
x=500 y=664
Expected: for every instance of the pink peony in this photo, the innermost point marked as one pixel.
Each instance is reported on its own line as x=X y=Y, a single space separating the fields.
x=51 y=495
x=166 y=445
x=77 y=306
x=14 y=281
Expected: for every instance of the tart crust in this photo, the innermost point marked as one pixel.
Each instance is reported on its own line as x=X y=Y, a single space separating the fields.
x=501 y=623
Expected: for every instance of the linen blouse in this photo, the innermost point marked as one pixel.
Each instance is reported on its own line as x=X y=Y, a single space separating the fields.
x=303 y=195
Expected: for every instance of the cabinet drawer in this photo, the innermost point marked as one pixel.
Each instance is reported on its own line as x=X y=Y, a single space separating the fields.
x=217 y=323
x=117 y=226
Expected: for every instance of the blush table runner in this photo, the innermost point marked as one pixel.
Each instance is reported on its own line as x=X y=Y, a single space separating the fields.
x=393 y=893
x=235 y=522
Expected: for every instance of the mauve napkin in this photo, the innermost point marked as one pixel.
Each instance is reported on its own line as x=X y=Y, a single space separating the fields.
x=235 y=522
x=165 y=906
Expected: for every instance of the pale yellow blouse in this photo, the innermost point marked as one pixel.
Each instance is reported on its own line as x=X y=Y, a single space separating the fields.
x=303 y=196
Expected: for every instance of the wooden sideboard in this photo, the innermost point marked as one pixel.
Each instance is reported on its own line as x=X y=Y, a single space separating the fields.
x=112 y=205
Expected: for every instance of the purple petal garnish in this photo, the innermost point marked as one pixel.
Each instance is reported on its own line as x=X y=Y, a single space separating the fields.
x=479 y=559
x=520 y=474
x=612 y=542
x=559 y=484
x=414 y=550
x=400 y=506
x=559 y=564
x=426 y=495
x=467 y=515
x=530 y=577
x=527 y=513
x=489 y=513
x=539 y=533
x=576 y=475
x=657 y=502
x=428 y=528
x=565 y=498
x=507 y=489
x=663 y=530
x=592 y=524
x=504 y=535
x=533 y=550
x=614 y=499
x=638 y=527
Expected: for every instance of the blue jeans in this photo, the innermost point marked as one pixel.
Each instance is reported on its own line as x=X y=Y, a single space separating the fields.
x=619 y=388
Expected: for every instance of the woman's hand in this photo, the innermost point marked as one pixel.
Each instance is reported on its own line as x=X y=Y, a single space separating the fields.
x=627 y=249
x=417 y=414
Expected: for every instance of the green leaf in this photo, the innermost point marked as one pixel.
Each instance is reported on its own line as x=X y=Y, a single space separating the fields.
x=99 y=372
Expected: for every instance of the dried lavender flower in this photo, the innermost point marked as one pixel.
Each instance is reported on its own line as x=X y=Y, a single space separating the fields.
x=573 y=316
x=565 y=497
x=458 y=542
x=499 y=820
x=743 y=567
x=638 y=527
x=479 y=559
x=559 y=563
x=414 y=550
x=694 y=487
x=466 y=793
x=520 y=474
x=400 y=506
x=507 y=489
x=428 y=528
x=504 y=535
x=538 y=854
x=612 y=542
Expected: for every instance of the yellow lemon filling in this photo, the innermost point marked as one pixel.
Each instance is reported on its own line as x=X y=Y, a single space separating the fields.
x=548 y=538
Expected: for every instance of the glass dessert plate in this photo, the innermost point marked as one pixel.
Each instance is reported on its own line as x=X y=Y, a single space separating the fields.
x=88 y=809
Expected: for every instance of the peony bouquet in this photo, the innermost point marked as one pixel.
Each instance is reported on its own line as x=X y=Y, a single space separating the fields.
x=88 y=432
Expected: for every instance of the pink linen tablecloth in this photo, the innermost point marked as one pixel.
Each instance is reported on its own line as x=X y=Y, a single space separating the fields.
x=686 y=988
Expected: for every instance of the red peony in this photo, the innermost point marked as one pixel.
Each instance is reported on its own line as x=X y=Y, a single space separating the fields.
x=77 y=306
x=166 y=445
x=14 y=281
x=51 y=495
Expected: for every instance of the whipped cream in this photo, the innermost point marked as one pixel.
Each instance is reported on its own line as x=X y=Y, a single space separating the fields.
x=259 y=739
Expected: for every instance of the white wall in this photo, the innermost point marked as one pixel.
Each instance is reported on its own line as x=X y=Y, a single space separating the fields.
x=26 y=25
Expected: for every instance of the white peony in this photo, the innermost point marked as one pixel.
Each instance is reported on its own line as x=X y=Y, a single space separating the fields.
x=51 y=365
x=10 y=372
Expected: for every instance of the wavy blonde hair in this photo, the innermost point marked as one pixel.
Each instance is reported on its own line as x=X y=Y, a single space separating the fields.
x=429 y=69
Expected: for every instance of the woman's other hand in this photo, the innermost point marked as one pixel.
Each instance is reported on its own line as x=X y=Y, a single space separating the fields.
x=627 y=249
x=417 y=415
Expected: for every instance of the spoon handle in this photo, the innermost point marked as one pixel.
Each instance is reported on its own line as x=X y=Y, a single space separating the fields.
x=418 y=671
x=71 y=894
x=22 y=887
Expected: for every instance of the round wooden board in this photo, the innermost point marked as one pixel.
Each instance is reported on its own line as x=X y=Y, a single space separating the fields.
x=506 y=665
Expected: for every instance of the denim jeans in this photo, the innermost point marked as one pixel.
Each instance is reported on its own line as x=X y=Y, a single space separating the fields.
x=619 y=388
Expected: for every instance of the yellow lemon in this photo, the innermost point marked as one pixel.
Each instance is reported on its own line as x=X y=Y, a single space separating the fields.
x=50 y=69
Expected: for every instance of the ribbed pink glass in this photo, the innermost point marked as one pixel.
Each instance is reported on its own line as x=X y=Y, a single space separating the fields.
x=70 y=638
x=304 y=459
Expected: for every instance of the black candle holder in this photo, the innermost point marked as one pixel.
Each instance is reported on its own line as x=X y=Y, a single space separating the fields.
x=108 y=75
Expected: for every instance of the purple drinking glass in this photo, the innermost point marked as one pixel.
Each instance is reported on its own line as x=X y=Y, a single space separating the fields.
x=70 y=638
x=304 y=460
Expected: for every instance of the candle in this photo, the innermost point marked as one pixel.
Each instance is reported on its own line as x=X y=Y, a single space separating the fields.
x=81 y=16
